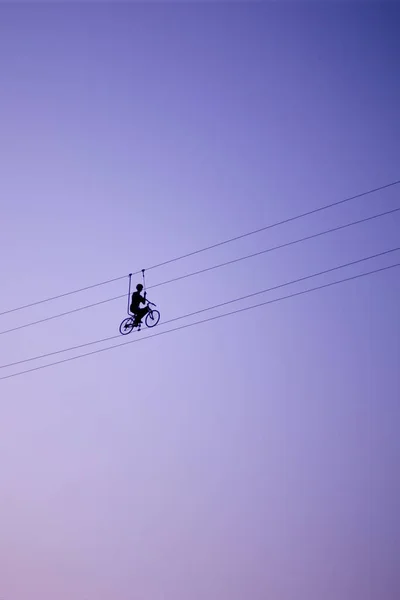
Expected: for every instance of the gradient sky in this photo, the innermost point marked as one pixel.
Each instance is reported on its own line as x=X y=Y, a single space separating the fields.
x=255 y=457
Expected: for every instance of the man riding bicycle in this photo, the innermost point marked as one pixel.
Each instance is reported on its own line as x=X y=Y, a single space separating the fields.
x=137 y=300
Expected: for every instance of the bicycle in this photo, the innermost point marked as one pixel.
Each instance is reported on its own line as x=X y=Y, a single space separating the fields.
x=151 y=320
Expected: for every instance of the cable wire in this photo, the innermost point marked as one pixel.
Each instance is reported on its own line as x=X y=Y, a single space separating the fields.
x=188 y=325
x=83 y=289
x=206 y=270
x=197 y=312
x=59 y=315
x=279 y=247
x=206 y=248
x=278 y=223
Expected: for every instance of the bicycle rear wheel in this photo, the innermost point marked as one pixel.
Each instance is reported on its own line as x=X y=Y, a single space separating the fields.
x=126 y=326
x=152 y=318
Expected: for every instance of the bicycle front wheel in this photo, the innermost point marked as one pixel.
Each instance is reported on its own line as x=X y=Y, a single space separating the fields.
x=152 y=318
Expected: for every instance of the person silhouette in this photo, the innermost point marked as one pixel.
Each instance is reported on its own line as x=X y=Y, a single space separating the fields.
x=137 y=300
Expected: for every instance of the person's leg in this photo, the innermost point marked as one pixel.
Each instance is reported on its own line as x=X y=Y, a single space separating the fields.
x=137 y=317
x=142 y=312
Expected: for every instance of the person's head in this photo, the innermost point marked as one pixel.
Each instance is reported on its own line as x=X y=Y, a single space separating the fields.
x=139 y=287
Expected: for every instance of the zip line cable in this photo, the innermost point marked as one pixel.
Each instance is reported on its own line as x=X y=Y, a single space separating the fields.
x=89 y=287
x=59 y=315
x=279 y=247
x=206 y=248
x=209 y=319
x=278 y=223
x=212 y=268
x=197 y=312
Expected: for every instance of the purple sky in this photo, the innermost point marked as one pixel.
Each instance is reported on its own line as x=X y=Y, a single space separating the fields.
x=256 y=457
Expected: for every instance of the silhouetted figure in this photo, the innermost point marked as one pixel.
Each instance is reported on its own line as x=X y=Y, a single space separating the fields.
x=137 y=300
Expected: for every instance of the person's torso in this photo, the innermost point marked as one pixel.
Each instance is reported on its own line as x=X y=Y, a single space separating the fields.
x=135 y=300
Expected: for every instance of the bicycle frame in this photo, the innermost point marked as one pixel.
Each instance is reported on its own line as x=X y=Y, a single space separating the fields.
x=149 y=304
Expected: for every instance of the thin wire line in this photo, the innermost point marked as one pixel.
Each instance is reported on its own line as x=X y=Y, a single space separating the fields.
x=197 y=312
x=234 y=312
x=278 y=223
x=206 y=248
x=64 y=314
x=88 y=287
x=279 y=247
x=212 y=268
